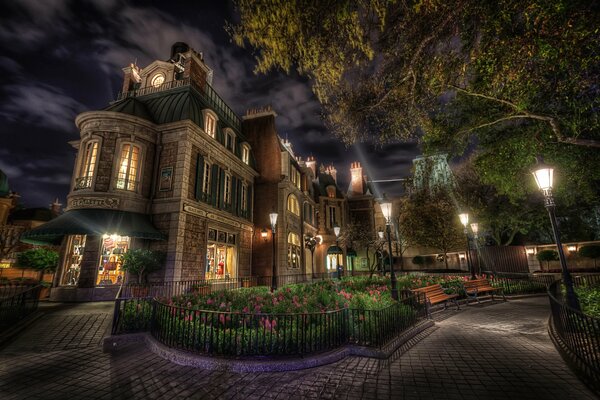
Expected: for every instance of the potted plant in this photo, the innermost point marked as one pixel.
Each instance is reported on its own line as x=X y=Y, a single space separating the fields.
x=141 y=262
x=547 y=255
x=42 y=260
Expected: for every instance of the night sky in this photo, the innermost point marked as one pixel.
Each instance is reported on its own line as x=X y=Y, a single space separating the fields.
x=59 y=58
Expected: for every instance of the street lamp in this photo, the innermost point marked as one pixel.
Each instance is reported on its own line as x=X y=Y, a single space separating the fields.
x=475 y=230
x=544 y=175
x=310 y=242
x=464 y=219
x=264 y=234
x=273 y=218
x=340 y=266
x=386 y=210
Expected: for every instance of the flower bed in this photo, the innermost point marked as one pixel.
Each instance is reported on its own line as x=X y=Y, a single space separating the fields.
x=321 y=296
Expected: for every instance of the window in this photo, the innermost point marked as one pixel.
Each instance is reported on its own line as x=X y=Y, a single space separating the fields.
x=292 y=205
x=84 y=181
x=230 y=141
x=227 y=189
x=246 y=154
x=244 y=197
x=206 y=179
x=309 y=213
x=210 y=124
x=158 y=80
x=295 y=177
x=293 y=250
x=332 y=217
x=110 y=271
x=128 y=167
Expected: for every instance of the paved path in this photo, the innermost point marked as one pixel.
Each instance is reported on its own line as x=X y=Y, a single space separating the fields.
x=493 y=351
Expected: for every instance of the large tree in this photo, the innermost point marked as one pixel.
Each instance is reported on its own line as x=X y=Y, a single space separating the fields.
x=431 y=220
x=519 y=78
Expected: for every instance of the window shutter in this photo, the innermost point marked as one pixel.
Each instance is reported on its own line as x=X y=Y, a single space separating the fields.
x=249 y=203
x=234 y=194
x=221 y=196
x=199 y=176
x=239 y=206
x=214 y=184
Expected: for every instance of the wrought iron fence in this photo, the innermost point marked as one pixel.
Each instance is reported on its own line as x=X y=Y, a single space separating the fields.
x=246 y=334
x=516 y=284
x=578 y=332
x=17 y=303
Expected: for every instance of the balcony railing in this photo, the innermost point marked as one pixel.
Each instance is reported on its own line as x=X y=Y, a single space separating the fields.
x=206 y=91
x=84 y=182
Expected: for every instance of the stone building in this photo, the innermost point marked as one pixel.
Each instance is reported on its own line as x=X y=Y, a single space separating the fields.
x=166 y=167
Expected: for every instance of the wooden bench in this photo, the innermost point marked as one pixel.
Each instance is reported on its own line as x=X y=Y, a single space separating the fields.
x=435 y=294
x=475 y=287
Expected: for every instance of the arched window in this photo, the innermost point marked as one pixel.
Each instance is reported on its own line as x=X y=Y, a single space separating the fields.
x=246 y=154
x=128 y=167
x=292 y=205
x=86 y=173
x=293 y=250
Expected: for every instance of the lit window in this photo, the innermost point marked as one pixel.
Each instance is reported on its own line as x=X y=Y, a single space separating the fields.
x=227 y=189
x=128 y=167
x=246 y=154
x=295 y=177
x=209 y=124
x=157 y=80
x=86 y=173
x=293 y=250
x=206 y=179
x=292 y=205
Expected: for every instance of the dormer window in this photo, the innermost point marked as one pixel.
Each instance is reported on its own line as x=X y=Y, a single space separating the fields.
x=210 y=124
x=158 y=80
x=230 y=141
x=246 y=154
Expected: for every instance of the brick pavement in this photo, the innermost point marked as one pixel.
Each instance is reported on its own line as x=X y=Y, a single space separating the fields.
x=493 y=351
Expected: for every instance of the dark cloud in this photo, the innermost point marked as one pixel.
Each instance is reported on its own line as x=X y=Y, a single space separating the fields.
x=61 y=57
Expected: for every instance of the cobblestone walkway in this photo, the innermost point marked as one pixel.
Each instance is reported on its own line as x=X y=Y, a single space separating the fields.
x=493 y=351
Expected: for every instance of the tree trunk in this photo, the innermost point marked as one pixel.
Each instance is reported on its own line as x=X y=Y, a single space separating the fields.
x=446 y=260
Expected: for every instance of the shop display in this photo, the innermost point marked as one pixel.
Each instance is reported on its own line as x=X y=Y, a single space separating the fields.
x=71 y=271
x=111 y=259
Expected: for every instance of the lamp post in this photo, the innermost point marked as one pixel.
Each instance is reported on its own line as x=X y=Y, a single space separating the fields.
x=381 y=236
x=544 y=175
x=340 y=266
x=386 y=209
x=310 y=242
x=475 y=230
x=273 y=218
x=464 y=219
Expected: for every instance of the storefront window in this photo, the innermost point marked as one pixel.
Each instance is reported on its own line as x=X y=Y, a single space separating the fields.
x=221 y=255
x=111 y=259
x=75 y=248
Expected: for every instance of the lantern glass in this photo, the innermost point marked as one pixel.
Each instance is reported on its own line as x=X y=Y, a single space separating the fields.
x=386 y=210
x=464 y=219
x=380 y=234
x=544 y=176
x=264 y=234
x=336 y=230
x=273 y=218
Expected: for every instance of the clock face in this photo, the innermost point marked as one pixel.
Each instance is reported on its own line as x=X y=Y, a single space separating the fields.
x=157 y=80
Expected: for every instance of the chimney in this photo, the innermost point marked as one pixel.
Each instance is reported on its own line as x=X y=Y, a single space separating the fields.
x=356 y=184
x=332 y=171
x=312 y=164
x=56 y=207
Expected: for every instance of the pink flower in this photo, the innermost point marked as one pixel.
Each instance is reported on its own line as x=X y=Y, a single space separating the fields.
x=209 y=301
x=222 y=318
x=245 y=309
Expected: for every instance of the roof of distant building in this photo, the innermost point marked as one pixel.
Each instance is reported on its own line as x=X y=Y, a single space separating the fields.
x=32 y=214
x=4 y=189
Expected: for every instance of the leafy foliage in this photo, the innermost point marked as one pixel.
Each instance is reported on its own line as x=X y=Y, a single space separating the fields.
x=41 y=259
x=518 y=78
x=142 y=262
x=590 y=251
x=547 y=255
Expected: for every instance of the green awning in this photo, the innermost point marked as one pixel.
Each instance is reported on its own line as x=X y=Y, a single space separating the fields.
x=351 y=252
x=335 y=250
x=93 y=222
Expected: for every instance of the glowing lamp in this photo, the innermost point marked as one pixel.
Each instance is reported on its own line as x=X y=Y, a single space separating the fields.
x=336 y=230
x=544 y=176
x=464 y=219
x=264 y=234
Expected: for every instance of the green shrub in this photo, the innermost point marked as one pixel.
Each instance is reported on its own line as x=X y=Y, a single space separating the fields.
x=547 y=255
x=40 y=259
x=590 y=251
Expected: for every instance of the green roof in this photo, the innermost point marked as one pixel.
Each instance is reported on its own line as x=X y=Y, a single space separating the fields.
x=93 y=222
